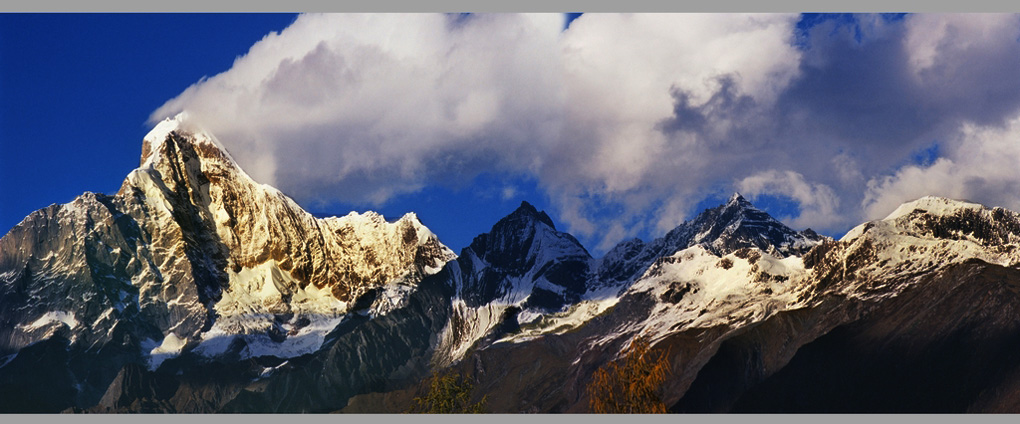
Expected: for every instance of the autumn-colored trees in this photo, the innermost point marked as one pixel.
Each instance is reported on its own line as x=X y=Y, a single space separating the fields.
x=630 y=385
x=448 y=394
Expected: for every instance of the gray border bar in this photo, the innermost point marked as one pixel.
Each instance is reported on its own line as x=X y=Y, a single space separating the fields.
x=508 y=6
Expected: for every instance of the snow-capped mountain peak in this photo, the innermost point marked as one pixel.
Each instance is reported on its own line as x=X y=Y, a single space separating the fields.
x=947 y=219
x=934 y=205
x=736 y=199
x=920 y=237
x=524 y=236
x=732 y=226
x=153 y=141
x=526 y=211
x=203 y=259
x=523 y=268
x=179 y=137
x=735 y=225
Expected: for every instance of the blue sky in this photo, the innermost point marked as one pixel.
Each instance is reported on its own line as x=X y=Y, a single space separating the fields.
x=76 y=91
x=617 y=126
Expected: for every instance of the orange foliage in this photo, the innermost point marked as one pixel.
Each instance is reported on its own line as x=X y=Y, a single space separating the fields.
x=630 y=385
x=448 y=394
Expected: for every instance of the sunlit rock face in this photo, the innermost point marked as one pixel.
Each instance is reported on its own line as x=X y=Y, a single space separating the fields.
x=913 y=313
x=193 y=255
x=195 y=289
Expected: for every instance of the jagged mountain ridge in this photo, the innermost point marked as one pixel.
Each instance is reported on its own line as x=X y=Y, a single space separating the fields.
x=524 y=312
x=191 y=254
x=733 y=322
x=524 y=278
x=917 y=308
x=520 y=272
x=491 y=291
x=735 y=225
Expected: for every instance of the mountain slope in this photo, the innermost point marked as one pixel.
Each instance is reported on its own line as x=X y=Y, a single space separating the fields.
x=541 y=364
x=195 y=289
x=520 y=270
x=911 y=313
x=918 y=310
x=735 y=225
x=461 y=308
x=191 y=254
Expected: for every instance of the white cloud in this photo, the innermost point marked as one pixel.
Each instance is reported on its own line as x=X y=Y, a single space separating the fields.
x=622 y=73
x=364 y=107
x=625 y=121
x=935 y=40
x=622 y=70
x=818 y=202
x=966 y=63
x=847 y=169
x=982 y=165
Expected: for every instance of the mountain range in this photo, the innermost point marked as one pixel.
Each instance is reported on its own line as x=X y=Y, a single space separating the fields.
x=195 y=289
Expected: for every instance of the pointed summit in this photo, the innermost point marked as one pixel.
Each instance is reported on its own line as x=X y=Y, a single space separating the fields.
x=527 y=206
x=737 y=199
x=190 y=252
x=152 y=143
x=185 y=138
x=527 y=212
x=180 y=155
x=739 y=224
x=522 y=239
x=522 y=268
x=735 y=225
x=517 y=231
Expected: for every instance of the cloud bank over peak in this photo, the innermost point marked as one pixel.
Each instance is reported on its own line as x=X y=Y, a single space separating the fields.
x=364 y=107
x=627 y=121
x=983 y=166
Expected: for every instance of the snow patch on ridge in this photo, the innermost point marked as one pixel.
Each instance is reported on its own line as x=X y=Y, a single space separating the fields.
x=573 y=317
x=934 y=205
x=391 y=297
x=466 y=326
x=696 y=289
x=923 y=236
x=64 y=317
x=266 y=309
x=158 y=135
x=299 y=338
x=169 y=348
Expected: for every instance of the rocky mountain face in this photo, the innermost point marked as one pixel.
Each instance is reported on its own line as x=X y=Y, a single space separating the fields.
x=519 y=271
x=190 y=255
x=735 y=225
x=195 y=289
x=918 y=310
x=912 y=313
